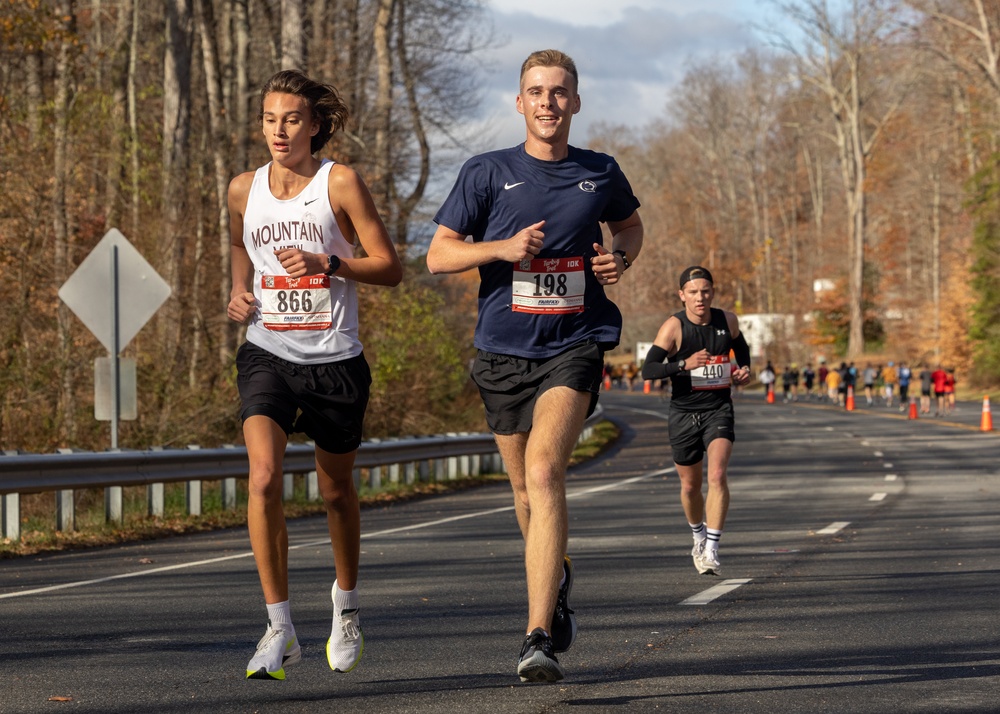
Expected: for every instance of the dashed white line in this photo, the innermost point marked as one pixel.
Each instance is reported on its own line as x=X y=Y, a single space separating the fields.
x=833 y=528
x=890 y=477
x=878 y=497
x=706 y=596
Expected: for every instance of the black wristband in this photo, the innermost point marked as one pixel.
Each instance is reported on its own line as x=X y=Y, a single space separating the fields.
x=654 y=367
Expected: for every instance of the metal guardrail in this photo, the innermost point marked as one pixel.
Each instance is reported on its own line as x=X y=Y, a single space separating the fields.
x=438 y=458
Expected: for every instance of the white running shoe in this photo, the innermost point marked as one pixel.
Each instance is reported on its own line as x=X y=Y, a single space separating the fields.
x=276 y=650
x=346 y=643
x=696 y=553
x=708 y=563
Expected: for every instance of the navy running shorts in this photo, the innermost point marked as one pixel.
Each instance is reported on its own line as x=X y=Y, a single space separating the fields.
x=691 y=432
x=510 y=385
x=326 y=402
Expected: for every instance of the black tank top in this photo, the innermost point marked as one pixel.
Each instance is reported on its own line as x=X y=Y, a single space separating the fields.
x=715 y=338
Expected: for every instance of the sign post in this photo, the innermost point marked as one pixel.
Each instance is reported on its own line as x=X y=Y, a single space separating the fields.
x=114 y=269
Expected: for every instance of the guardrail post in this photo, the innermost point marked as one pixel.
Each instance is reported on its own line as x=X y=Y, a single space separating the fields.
x=228 y=487
x=440 y=469
x=357 y=479
x=65 y=515
x=114 y=511
x=287 y=487
x=393 y=473
x=375 y=478
x=11 y=516
x=410 y=473
x=192 y=492
x=475 y=465
x=154 y=494
x=312 y=486
x=424 y=471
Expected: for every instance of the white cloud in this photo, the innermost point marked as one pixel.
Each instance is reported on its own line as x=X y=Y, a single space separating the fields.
x=629 y=54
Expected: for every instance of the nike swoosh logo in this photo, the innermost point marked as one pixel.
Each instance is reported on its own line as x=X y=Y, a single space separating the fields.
x=509 y=186
x=308 y=202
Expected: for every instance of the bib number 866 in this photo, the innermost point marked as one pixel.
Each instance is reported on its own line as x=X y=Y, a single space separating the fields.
x=294 y=301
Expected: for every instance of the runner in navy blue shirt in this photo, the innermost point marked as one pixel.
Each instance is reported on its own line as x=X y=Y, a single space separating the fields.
x=533 y=213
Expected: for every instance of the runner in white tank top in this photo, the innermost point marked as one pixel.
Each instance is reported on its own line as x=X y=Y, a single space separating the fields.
x=293 y=224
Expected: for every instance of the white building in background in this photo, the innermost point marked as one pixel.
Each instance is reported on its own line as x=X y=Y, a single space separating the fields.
x=763 y=329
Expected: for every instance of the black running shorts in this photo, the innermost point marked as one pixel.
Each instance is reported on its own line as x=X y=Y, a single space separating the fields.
x=326 y=402
x=510 y=385
x=691 y=432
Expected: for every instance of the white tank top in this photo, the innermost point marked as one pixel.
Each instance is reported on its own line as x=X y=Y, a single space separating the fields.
x=301 y=320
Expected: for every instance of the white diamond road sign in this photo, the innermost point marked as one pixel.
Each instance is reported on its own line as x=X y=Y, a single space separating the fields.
x=90 y=290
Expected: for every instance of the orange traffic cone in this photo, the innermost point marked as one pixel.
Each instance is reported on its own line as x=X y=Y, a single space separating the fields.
x=913 y=408
x=647 y=385
x=770 y=394
x=850 y=398
x=607 y=381
x=986 y=423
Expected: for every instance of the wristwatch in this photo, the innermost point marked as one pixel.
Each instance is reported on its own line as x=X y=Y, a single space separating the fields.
x=334 y=263
x=626 y=265
x=680 y=364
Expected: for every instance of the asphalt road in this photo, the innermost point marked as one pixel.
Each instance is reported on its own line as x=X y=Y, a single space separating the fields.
x=860 y=570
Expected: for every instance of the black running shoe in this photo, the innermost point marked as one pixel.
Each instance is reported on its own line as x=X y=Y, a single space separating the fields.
x=537 y=663
x=563 y=619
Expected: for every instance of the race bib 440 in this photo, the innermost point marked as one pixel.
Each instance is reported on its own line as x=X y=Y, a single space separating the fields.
x=548 y=286
x=714 y=375
x=295 y=303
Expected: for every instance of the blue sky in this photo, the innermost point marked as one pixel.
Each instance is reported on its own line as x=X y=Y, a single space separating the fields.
x=629 y=53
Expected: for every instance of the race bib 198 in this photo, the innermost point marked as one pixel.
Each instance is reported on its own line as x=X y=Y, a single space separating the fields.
x=549 y=286
x=295 y=303
x=714 y=375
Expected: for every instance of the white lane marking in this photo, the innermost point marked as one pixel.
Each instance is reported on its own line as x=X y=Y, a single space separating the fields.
x=325 y=541
x=887 y=465
x=879 y=454
x=706 y=596
x=890 y=477
x=834 y=528
x=878 y=497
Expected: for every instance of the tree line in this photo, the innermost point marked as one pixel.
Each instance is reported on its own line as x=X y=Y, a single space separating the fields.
x=846 y=176
x=136 y=115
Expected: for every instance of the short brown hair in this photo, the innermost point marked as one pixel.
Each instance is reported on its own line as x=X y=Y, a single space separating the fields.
x=551 y=58
x=325 y=104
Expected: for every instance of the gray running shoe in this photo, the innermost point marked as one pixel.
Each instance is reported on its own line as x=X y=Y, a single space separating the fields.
x=563 y=619
x=537 y=663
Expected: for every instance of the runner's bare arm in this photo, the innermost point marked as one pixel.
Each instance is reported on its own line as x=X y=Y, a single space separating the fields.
x=242 y=305
x=450 y=252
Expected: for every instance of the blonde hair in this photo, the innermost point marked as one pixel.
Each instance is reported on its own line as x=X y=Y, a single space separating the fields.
x=551 y=58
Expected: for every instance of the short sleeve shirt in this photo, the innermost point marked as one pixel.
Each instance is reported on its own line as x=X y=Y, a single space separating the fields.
x=502 y=192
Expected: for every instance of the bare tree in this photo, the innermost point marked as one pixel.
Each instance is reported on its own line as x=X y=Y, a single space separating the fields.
x=843 y=63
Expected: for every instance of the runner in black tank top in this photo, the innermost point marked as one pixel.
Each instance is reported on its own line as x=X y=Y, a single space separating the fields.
x=692 y=349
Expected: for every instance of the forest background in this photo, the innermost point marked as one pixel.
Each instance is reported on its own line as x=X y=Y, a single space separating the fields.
x=848 y=179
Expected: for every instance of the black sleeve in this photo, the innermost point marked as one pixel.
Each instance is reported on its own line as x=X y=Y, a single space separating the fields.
x=654 y=368
x=742 y=351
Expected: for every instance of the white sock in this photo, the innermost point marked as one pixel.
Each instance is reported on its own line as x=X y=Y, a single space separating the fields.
x=279 y=615
x=712 y=546
x=698 y=531
x=344 y=599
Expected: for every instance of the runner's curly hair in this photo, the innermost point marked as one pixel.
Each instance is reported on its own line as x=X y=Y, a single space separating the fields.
x=325 y=104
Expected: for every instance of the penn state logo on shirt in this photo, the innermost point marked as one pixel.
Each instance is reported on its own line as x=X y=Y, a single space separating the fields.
x=588 y=186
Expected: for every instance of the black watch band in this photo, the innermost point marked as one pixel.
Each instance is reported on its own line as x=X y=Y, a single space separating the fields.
x=626 y=265
x=333 y=263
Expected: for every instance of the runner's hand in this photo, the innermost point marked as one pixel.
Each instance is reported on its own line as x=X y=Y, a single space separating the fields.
x=297 y=262
x=605 y=266
x=524 y=245
x=741 y=376
x=241 y=308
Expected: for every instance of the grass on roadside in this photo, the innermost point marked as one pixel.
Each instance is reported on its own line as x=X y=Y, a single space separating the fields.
x=38 y=534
